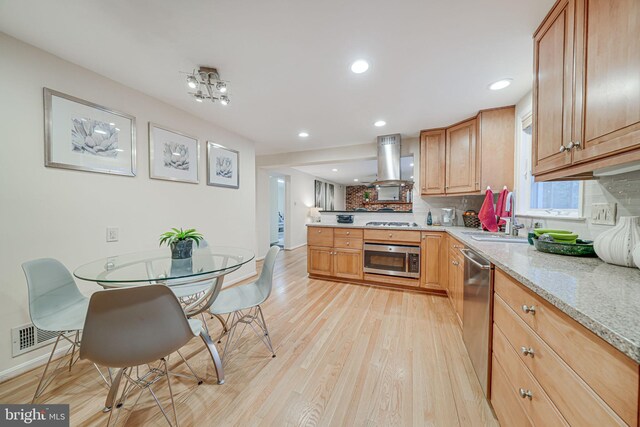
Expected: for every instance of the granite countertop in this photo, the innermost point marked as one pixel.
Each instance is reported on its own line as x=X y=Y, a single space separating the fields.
x=603 y=298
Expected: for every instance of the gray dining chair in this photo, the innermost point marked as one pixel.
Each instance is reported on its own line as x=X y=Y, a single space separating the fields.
x=242 y=306
x=55 y=305
x=129 y=327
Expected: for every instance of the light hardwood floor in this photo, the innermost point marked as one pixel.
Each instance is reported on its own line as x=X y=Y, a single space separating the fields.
x=347 y=355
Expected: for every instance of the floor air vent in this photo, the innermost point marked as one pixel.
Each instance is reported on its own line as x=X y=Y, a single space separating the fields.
x=27 y=337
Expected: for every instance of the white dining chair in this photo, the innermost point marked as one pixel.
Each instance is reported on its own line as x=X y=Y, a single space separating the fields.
x=129 y=327
x=242 y=306
x=55 y=305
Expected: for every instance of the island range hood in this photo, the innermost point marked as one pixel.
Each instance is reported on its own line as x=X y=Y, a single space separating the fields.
x=389 y=161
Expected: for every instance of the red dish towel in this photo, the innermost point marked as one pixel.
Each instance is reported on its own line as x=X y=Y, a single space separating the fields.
x=501 y=210
x=487 y=213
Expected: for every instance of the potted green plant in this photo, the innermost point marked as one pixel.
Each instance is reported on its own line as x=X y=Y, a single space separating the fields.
x=181 y=242
x=367 y=196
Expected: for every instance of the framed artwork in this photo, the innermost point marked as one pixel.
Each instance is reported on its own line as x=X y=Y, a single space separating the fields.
x=223 y=166
x=324 y=195
x=84 y=136
x=173 y=155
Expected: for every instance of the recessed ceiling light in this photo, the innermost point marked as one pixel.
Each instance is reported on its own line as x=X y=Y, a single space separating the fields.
x=500 y=84
x=303 y=134
x=334 y=170
x=380 y=123
x=355 y=179
x=360 y=66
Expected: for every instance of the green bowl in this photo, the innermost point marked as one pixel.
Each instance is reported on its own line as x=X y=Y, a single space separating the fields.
x=582 y=248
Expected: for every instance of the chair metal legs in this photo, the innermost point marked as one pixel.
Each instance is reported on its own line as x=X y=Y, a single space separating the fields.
x=252 y=317
x=42 y=384
x=143 y=382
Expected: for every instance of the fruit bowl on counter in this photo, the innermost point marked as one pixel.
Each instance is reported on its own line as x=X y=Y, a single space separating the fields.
x=561 y=242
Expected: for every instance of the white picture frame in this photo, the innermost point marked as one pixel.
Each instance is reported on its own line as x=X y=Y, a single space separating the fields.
x=81 y=135
x=223 y=166
x=173 y=155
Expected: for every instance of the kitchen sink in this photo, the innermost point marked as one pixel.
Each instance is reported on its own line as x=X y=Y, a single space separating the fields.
x=495 y=237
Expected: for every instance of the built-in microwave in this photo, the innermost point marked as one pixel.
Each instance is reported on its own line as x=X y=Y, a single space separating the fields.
x=392 y=260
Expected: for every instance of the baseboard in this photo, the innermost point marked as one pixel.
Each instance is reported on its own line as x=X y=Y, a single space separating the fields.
x=14 y=371
x=295 y=247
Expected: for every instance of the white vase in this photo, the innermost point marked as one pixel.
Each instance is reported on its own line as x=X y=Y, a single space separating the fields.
x=617 y=245
x=636 y=255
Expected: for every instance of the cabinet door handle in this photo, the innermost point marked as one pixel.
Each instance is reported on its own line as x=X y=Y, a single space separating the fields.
x=527 y=351
x=529 y=309
x=319 y=231
x=348 y=232
x=390 y=235
x=455 y=263
x=562 y=148
x=348 y=243
x=526 y=394
x=573 y=144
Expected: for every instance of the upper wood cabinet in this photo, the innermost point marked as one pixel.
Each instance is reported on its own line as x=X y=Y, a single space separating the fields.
x=432 y=160
x=586 y=94
x=462 y=158
x=467 y=157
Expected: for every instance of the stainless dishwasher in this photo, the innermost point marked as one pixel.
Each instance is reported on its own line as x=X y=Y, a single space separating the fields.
x=476 y=311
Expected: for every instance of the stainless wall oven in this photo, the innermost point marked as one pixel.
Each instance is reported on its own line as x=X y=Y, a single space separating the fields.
x=392 y=260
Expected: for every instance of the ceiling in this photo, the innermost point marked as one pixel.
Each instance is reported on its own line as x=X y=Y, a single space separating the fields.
x=363 y=170
x=288 y=61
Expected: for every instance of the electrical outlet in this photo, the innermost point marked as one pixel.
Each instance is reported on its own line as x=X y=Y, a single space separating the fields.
x=603 y=213
x=112 y=234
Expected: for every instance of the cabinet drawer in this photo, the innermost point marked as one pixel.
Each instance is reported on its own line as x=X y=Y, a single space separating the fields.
x=347 y=243
x=576 y=401
x=504 y=401
x=612 y=375
x=320 y=236
x=537 y=404
x=392 y=235
x=455 y=245
x=355 y=233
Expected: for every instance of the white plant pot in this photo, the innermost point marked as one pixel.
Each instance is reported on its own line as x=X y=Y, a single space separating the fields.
x=617 y=245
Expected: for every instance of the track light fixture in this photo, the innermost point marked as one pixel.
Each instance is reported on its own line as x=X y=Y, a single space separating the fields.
x=208 y=85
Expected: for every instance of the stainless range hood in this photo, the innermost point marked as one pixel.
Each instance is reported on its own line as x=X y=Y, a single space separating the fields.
x=389 y=161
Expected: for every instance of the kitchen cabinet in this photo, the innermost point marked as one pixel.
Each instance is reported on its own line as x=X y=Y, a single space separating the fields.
x=334 y=252
x=434 y=266
x=469 y=156
x=586 y=95
x=461 y=158
x=432 y=162
x=554 y=369
x=456 y=278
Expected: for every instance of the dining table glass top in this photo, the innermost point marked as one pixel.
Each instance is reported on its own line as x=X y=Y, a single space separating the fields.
x=158 y=266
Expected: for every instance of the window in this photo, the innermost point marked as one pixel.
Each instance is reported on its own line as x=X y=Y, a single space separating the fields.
x=558 y=198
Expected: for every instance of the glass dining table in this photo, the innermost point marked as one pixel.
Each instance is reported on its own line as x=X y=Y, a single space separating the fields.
x=196 y=280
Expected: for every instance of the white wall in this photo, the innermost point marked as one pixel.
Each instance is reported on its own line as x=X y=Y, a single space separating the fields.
x=49 y=212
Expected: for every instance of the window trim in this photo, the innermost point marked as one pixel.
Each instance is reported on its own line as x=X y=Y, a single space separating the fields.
x=523 y=207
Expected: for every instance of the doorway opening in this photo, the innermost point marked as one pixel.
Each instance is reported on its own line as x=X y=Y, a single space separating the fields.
x=277 y=210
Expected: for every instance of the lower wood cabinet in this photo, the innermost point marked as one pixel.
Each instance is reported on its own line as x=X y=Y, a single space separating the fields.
x=320 y=260
x=434 y=266
x=347 y=263
x=559 y=372
x=455 y=288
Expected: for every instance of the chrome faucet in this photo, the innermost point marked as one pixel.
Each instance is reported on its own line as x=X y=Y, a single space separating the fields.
x=514 y=222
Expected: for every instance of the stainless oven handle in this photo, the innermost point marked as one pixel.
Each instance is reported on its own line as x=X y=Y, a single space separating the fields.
x=480 y=266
